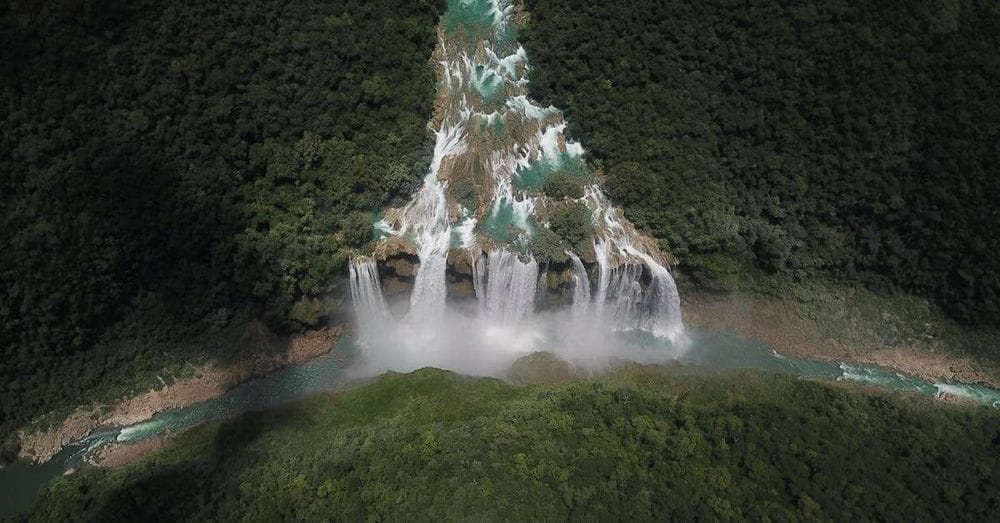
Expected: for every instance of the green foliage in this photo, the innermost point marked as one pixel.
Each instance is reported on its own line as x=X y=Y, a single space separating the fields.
x=561 y=185
x=463 y=190
x=573 y=223
x=358 y=229
x=741 y=130
x=309 y=312
x=715 y=271
x=9 y=449
x=547 y=247
x=188 y=166
x=643 y=444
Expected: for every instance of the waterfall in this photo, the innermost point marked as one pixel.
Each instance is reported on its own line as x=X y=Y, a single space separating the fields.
x=581 y=287
x=663 y=302
x=626 y=291
x=426 y=217
x=366 y=292
x=479 y=282
x=654 y=308
x=510 y=287
x=603 y=277
x=494 y=148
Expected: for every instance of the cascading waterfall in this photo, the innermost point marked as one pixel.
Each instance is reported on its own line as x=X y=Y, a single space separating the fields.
x=510 y=287
x=426 y=217
x=581 y=287
x=482 y=201
x=366 y=292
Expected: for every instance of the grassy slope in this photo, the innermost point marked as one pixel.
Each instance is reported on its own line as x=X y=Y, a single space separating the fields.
x=639 y=444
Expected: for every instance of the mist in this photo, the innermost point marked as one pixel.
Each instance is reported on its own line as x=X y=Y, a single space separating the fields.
x=465 y=340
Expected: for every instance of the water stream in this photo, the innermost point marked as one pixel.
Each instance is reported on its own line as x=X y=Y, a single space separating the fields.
x=21 y=482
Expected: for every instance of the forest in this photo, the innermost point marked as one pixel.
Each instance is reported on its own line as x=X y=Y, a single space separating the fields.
x=641 y=444
x=793 y=140
x=172 y=170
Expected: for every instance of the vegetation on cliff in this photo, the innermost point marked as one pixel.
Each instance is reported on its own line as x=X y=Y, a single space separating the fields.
x=172 y=169
x=793 y=139
x=644 y=443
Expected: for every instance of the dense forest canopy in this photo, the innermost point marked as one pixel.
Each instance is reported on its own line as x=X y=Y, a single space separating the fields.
x=172 y=167
x=792 y=138
x=171 y=170
x=638 y=446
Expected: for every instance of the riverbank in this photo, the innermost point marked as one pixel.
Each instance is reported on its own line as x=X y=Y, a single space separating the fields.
x=208 y=381
x=852 y=326
x=518 y=451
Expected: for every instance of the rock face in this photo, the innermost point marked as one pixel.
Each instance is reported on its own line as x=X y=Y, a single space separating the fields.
x=402 y=265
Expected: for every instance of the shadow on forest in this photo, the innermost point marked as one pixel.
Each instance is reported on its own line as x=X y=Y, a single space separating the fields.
x=182 y=491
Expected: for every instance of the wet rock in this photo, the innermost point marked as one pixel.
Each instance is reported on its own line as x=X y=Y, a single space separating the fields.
x=393 y=246
x=460 y=262
x=403 y=266
x=395 y=286
x=556 y=279
x=461 y=289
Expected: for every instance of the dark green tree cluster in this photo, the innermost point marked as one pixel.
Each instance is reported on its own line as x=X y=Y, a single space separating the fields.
x=168 y=167
x=570 y=228
x=560 y=185
x=573 y=223
x=793 y=138
x=638 y=446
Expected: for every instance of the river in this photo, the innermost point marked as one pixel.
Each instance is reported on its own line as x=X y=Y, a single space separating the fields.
x=22 y=482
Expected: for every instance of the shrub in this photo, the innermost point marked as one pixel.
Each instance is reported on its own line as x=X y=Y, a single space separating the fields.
x=573 y=223
x=357 y=228
x=561 y=185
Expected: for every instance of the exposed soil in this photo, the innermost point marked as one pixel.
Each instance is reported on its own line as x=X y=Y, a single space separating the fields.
x=209 y=382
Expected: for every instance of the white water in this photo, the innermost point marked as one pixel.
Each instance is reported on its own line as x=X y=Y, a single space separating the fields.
x=581 y=288
x=368 y=301
x=510 y=288
x=483 y=84
x=426 y=217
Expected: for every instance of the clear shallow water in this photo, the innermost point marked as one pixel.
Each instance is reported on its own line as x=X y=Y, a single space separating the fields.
x=21 y=482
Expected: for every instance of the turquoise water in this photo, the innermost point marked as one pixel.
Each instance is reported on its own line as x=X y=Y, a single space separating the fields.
x=534 y=176
x=20 y=483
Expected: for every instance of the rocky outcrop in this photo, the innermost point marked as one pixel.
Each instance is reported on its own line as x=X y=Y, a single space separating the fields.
x=118 y=454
